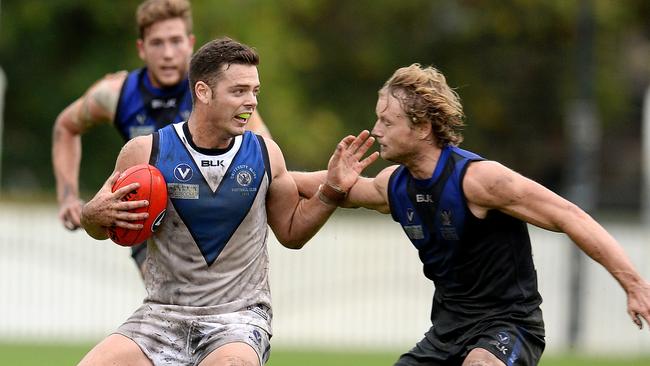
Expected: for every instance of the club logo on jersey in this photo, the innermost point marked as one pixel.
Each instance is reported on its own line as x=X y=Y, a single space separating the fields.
x=244 y=176
x=183 y=172
x=409 y=214
x=445 y=218
x=447 y=230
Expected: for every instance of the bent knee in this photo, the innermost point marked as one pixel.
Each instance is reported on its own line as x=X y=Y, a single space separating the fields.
x=238 y=361
x=233 y=354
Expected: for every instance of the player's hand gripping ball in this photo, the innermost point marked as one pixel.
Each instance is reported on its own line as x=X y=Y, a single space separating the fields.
x=152 y=188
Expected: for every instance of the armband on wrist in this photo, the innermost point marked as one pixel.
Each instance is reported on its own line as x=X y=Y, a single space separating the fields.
x=331 y=195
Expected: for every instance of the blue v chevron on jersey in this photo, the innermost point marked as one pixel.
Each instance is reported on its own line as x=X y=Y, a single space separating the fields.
x=191 y=194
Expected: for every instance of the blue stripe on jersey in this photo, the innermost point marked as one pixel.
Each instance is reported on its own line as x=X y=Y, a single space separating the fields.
x=432 y=211
x=132 y=117
x=214 y=217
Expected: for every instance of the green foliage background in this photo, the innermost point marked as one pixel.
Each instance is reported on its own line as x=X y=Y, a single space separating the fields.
x=513 y=62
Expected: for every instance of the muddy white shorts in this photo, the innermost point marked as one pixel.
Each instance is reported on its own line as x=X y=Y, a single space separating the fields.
x=185 y=335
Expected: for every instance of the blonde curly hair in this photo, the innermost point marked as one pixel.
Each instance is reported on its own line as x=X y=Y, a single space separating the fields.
x=153 y=11
x=425 y=97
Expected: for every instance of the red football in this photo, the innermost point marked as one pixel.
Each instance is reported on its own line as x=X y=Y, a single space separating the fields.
x=152 y=188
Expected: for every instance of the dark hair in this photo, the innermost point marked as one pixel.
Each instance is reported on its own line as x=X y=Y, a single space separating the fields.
x=206 y=64
x=153 y=11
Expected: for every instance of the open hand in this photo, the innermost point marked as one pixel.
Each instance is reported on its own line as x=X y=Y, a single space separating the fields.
x=346 y=164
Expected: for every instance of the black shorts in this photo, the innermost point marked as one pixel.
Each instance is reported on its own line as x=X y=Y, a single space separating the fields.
x=515 y=343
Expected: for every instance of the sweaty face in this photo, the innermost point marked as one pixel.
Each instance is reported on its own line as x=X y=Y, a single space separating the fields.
x=234 y=97
x=393 y=130
x=166 y=49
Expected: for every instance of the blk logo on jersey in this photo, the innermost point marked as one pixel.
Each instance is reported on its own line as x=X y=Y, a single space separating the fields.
x=183 y=172
x=423 y=198
x=212 y=163
x=162 y=103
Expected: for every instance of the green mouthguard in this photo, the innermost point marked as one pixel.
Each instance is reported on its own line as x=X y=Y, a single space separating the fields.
x=244 y=115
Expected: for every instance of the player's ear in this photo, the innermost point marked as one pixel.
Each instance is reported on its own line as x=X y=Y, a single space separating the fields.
x=424 y=129
x=203 y=92
x=192 y=41
x=139 y=43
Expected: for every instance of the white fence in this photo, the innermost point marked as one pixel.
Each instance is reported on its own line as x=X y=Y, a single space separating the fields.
x=357 y=285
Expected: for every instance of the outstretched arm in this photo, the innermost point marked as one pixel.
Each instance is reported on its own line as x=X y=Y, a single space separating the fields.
x=308 y=182
x=293 y=220
x=489 y=185
x=106 y=208
x=95 y=107
x=370 y=193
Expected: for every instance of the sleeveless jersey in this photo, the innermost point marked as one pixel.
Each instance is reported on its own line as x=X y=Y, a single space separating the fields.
x=480 y=267
x=143 y=108
x=210 y=250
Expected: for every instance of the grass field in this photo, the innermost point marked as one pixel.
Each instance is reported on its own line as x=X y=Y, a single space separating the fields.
x=65 y=355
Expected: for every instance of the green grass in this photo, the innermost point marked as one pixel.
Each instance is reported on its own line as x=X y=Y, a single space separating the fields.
x=66 y=355
x=33 y=355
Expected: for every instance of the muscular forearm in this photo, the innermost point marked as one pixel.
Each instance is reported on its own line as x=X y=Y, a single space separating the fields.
x=598 y=244
x=308 y=217
x=93 y=229
x=308 y=182
x=66 y=156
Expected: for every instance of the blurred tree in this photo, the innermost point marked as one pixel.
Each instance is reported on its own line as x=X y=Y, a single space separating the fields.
x=322 y=62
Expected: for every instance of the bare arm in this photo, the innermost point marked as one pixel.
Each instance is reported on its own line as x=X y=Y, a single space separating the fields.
x=294 y=220
x=489 y=185
x=95 y=107
x=308 y=182
x=370 y=193
x=106 y=209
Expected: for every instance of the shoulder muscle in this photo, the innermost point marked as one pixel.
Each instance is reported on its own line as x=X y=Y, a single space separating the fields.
x=99 y=103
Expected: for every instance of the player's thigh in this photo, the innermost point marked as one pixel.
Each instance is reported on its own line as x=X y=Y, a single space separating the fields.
x=116 y=349
x=232 y=354
x=481 y=357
